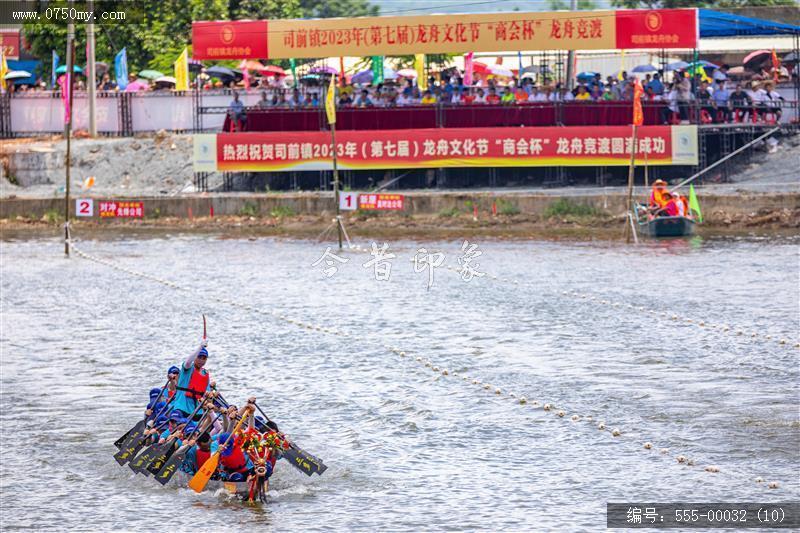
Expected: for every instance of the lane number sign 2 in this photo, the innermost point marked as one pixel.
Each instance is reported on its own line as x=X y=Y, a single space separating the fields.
x=84 y=207
x=348 y=201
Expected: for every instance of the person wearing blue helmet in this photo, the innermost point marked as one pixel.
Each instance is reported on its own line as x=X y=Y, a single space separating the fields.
x=176 y=421
x=193 y=381
x=172 y=385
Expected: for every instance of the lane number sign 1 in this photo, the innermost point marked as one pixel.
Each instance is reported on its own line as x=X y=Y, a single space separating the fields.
x=84 y=207
x=348 y=201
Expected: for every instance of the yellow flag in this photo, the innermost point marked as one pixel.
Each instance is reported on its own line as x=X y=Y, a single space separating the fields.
x=182 y=71
x=419 y=66
x=3 y=69
x=621 y=65
x=330 y=103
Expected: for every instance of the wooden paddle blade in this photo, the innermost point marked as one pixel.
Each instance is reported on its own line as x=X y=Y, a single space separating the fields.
x=172 y=465
x=200 y=479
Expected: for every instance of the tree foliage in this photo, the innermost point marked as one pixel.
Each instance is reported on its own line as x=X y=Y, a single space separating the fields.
x=165 y=28
x=562 y=5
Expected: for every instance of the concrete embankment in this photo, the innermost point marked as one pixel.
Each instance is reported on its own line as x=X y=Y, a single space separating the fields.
x=715 y=206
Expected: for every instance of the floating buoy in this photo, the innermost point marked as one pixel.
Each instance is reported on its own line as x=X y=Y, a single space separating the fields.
x=711 y=468
x=601 y=426
x=702 y=323
x=487 y=386
x=523 y=400
x=444 y=372
x=664 y=451
x=690 y=462
x=589 y=418
x=561 y=414
x=575 y=418
x=428 y=364
x=773 y=485
x=535 y=403
x=402 y=354
x=759 y=480
x=648 y=446
x=615 y=432
x=681 y=459
x=436 y=369
x=476 y=382
x=783 y=341
x=512 y=394
x=498 y=391
x=547 y=407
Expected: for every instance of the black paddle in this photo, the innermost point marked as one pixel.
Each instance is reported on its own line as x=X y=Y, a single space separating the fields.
x=176 y=460
x=158 y=463
x=300 y=459
x=157 y=450
x=140 y=426
x=135 y=442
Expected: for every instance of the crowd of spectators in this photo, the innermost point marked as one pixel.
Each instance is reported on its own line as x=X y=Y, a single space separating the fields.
x=715 y=99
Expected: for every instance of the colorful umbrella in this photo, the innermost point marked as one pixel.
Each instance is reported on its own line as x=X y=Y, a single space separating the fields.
x=220 y=72
x=17 y=75
x=500 y=70
x=63 y=68
x=645 y=68
x=754 y=59
x=323 y=70
x=407 y=73
x=586 y=76
x=150 y=74
x=791 y=57
x=137 y=85
x=678 y=65
x=166 y=79
x=480 y=68
x=273 y=69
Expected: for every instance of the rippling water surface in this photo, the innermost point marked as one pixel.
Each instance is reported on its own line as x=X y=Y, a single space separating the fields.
x=407 y=448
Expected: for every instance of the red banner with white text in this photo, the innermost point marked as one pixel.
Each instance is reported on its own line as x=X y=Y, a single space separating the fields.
x=455 y=34
x=445 y=147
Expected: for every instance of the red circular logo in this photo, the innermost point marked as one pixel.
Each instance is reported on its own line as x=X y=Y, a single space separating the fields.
x=227 y=34
x=653 y=21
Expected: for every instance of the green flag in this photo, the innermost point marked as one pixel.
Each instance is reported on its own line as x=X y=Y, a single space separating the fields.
x=694 y=205
x=377 y=70
x=292 y=64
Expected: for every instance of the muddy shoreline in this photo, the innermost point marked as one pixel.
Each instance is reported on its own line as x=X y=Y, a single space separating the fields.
x=765 y=223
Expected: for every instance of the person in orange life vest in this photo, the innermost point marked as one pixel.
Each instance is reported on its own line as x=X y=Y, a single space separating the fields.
x=657 y=195
x=670 y=208
x=193 y=382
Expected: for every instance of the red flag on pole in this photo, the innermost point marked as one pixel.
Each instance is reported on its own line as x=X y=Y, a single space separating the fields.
x=638 y=116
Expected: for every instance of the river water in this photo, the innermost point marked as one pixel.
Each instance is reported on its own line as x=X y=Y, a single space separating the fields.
x=407 y=448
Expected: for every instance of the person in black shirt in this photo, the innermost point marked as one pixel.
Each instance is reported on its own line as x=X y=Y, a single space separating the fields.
x=741 y=103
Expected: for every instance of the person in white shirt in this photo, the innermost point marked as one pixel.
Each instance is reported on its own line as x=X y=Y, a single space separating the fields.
x=480 y=98
x=536 y=95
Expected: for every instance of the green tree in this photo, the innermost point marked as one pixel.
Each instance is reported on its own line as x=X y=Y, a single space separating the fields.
x=165 y=27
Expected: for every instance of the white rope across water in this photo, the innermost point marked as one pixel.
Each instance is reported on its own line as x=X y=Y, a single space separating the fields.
x=546 y=407
x=671 y=317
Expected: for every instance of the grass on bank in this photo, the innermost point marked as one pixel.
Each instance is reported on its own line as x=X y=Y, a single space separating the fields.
x=564 y=207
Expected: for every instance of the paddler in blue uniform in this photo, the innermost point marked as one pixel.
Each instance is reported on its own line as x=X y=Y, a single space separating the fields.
x=193 y=382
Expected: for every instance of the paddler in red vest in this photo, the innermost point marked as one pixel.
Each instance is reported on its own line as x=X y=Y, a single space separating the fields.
x=234 y=465
x=172 y=375
x=193 y=382
x=198 y=454
x=657 y=200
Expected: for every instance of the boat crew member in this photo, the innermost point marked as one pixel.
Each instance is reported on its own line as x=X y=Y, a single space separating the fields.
x=176 y=423
x=198 y=453
x=234 y=464
x=172 y=375
x=670 y=208
x=657 y=200
x=193 y=382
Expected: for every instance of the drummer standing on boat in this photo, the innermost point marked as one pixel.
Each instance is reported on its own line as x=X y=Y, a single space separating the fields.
x=193 y=382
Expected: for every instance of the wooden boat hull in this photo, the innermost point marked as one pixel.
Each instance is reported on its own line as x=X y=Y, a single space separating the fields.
x=670 y=227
